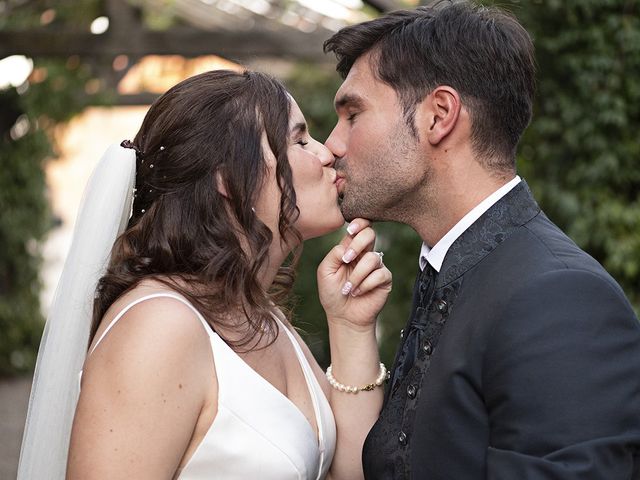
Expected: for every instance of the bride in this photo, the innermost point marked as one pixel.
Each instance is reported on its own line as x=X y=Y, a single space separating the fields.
x=193 y=370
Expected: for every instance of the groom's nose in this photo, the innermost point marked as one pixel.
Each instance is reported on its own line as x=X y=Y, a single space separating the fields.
x=336 y=142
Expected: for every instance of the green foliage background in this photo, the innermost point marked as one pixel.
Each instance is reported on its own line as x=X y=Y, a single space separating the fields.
x=23 y=223
x=581 y=156
x=25 y=216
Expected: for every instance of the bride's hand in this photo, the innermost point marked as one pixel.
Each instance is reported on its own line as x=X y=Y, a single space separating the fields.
x=353 y=282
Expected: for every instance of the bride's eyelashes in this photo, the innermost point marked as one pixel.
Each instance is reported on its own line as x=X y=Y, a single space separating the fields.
x=302 y=143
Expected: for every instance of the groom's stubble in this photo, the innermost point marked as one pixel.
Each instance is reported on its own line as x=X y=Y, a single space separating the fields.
x=383 y=181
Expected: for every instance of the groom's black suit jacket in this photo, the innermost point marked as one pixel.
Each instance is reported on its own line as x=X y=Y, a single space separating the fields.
x=527 y=363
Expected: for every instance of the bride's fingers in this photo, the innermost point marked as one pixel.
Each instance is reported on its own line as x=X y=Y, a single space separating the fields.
x=332 y=261
x=362 y=242
x=380 y=278
x=355 y=226
x=368 y=263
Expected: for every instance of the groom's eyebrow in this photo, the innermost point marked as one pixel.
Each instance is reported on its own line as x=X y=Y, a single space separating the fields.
x=347 y=100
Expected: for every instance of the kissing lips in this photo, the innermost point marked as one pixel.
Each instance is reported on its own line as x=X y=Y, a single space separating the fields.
x=340 y=181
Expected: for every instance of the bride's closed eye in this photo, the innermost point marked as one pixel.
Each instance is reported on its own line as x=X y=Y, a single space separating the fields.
x=302 y=143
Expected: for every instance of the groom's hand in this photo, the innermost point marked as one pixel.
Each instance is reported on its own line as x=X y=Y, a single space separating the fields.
x=353 y=282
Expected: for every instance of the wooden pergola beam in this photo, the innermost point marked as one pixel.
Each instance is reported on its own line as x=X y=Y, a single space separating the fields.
x=232 y=45
x=126 y=36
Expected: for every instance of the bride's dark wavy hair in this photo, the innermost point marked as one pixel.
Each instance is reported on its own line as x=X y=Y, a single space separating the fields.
x=183 y=231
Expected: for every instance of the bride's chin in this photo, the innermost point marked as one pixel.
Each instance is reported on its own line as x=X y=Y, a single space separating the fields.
x=329 y=224
x=337 y=223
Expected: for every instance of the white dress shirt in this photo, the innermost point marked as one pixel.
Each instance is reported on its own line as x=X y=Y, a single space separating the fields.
x=435 y=256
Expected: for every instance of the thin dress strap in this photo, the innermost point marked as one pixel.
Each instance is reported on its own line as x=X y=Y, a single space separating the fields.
x=142 y=299
x=310 y=378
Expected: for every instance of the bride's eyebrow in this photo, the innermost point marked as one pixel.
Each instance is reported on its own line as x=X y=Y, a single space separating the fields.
x=300 y=127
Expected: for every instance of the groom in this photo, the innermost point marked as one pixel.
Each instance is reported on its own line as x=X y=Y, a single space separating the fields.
x=521 y=356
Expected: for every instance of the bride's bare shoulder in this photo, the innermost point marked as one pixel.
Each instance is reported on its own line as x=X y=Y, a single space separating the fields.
x=151 y=325
x=143 y=388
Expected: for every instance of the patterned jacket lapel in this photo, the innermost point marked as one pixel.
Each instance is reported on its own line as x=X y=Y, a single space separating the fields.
x=512 y=211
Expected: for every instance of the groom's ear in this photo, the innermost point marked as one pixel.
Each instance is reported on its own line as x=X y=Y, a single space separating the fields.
x=438 y=114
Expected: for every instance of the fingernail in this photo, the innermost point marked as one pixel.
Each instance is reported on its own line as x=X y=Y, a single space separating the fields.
x=356 y=292
x=352 y=228
x=349 y=255
x=346 y=288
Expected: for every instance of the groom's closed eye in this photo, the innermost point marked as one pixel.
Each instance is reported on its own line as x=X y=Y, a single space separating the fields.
x=348 y=102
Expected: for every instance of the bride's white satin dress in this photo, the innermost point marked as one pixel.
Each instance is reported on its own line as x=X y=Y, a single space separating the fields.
x=258 y=433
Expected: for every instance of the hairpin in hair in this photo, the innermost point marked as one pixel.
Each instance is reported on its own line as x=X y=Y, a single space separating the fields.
x=131 y=145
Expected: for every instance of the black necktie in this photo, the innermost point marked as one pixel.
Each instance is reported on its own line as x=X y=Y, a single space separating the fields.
x=426 y=287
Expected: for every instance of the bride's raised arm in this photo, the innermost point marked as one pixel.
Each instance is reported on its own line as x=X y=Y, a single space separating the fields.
x=354 y=284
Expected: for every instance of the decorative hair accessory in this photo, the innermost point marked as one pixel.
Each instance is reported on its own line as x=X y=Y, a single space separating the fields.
x=142 y=195
x=131 y=145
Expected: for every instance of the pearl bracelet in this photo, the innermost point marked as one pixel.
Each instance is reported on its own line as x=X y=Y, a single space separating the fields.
x=382 y=376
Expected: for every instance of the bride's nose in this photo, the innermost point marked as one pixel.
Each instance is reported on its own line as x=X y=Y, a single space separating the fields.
x=325 y=155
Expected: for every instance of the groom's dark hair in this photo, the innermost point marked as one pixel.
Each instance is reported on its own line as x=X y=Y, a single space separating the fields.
x=482 y=52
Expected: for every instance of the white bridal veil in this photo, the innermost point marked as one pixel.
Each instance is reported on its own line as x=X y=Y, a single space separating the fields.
x=103 y=215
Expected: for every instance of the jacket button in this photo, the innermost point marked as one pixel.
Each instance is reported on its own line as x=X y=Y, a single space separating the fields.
x=402 y=438
x=402 y=333
x=411 y=391
x=442 y=306
x=428 y=349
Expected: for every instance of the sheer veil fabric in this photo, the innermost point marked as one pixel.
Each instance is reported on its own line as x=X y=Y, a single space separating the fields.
x=103 y=215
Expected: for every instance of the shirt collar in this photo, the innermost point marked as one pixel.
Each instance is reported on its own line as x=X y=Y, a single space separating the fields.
x=435 y=255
